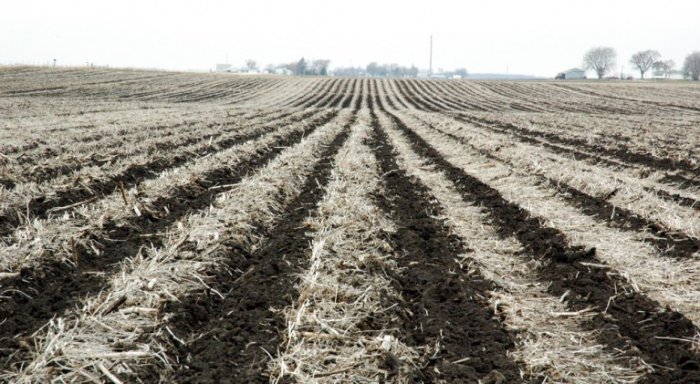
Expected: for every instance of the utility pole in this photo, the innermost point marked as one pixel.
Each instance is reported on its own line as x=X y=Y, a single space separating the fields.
x=430 y=71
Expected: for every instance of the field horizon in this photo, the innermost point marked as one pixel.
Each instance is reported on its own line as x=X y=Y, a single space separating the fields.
x=165 y=226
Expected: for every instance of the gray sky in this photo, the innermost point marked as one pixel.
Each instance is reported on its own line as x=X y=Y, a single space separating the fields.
x=539 y=37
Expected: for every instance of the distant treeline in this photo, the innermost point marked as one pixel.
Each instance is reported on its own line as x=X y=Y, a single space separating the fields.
x=301 y=68
x=373 y=69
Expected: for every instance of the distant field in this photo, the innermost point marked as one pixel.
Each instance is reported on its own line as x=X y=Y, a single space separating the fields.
x=178 y=227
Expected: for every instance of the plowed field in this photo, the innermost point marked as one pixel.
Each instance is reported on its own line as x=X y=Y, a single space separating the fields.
x=173 y=227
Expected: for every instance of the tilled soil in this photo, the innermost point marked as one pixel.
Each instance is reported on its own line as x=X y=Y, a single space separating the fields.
x=620 y=318
x=620 y=152
x=443 y=309
x=677 y=245
x=40 y=207
x=56 y=286
x=240 y=332
x=443 y=312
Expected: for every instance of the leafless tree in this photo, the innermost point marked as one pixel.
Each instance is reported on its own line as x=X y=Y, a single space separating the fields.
x=643 y=60
x=664 y=66
x=373 y=69
x=319 y=67
x=349 y=71
x=251 y=64
x=691 y=66
x=461 y=72
x=300 y=67
x=600 y=59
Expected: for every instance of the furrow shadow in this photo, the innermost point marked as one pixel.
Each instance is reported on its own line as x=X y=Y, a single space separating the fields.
x=625 y=320
x=240 y=329
x=38 y=294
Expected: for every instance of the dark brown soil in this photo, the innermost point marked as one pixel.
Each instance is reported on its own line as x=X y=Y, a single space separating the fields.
x=344 y=94
x=231 y=339
x=316 y=95
x=415 y=99
x=676 y=245
x=676 y=198
x=640 y=101
x=38 y=207
x=682 y=181
x=239 y=331
x=631 y=322
x=349 y=93
x=56 y=286
x=595 y=159
x=620 y=152
x=115 y=150
x=447 y=308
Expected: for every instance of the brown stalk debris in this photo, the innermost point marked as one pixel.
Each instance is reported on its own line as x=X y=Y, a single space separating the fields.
x=183 y=227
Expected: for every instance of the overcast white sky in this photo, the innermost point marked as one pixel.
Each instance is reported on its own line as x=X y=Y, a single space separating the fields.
x=538 y=37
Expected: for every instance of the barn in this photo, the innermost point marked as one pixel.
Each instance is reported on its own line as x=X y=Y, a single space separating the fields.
x=223 y=67
x=572 y=74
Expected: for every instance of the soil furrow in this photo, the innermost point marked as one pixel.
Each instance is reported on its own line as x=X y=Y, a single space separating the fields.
x=628 y=99
x=447 y=310
x=56 y=286
x=298 y=95
x=621 y=152
x=676 y=198
x=411 y=98
x=615 y=164
x=676 y=245
x=340 y=94
x=520 y=300
x=115 y=151
x=349 y=94
x=626 y=320
x=437 y=92
x=40 y=207
x=409 y=91
x=240 y=329
x=333 y=95
x=316 y=94
x=594 y=158
x=682 y=181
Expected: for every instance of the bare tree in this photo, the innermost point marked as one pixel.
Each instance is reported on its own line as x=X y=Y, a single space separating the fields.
x=691 y=66
x=643 y=60
x=664 y=66
x=373 y=69
x=300 y=68
x=600 y=59
x=461 y=72
x=349 y=71
x=251 y=64
x=319 y=67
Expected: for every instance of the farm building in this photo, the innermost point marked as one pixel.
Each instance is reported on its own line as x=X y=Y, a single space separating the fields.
x=572 y=74
x=673 y=75
x=223 y=67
